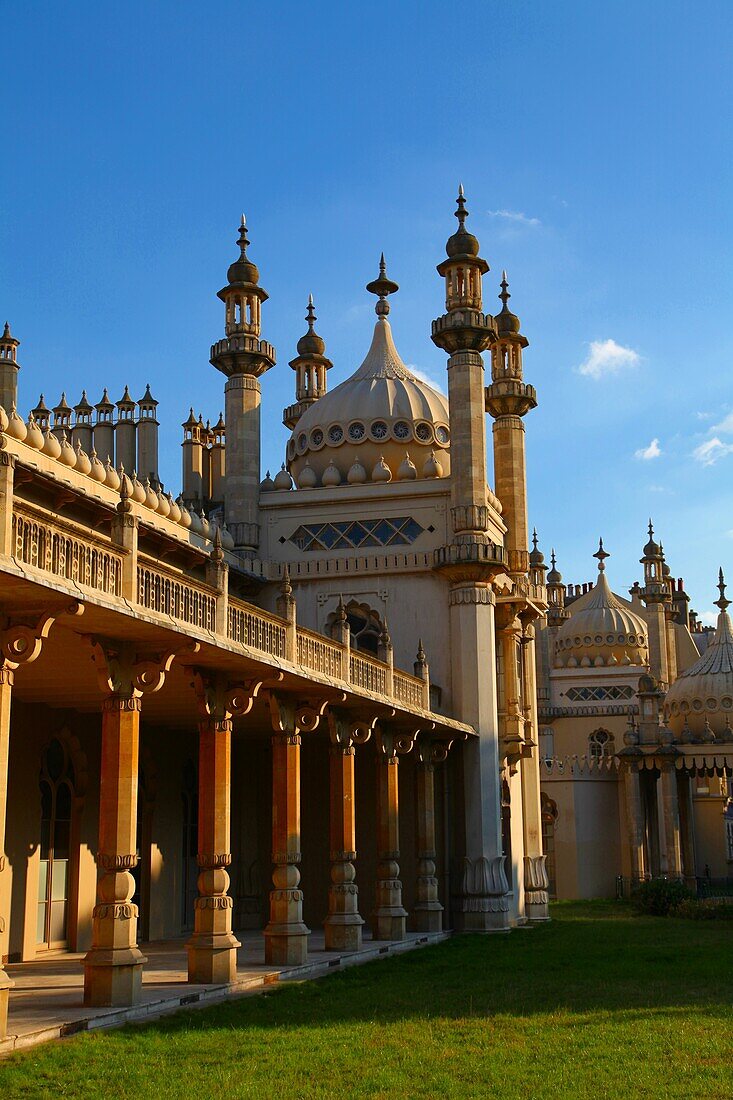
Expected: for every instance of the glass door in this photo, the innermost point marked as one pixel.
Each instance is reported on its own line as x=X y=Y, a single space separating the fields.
x=57 y=797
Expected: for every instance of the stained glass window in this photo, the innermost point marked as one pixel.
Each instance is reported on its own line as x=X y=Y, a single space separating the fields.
x=357 y=534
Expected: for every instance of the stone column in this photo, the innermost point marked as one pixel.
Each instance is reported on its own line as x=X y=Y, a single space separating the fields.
x=343 y=924
x=428 y=912
x=687 y=829
x=634 y=822
x=113 y=966
x=669 y=799
x=6 y=691
x=212 y=949
x=242 y=486
x=536 y=898
x=388 y=920
x=7 y=488
x=286 y=936
x=483 y=905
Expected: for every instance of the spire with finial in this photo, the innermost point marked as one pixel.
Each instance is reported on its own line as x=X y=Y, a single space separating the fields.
x=601 y=555
x=536 y=557
x=461 y=213
x=382 y=286
x=722 y=602
x=310 y=366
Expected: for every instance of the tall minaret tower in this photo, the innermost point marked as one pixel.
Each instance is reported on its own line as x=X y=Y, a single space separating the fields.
x=508 y=399
x=469 y=562
x=310 y=366
x=8 y=369
x=242 y=356
x=657 y=598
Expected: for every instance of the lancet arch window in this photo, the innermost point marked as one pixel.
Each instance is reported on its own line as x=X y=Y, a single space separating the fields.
x=56 y=783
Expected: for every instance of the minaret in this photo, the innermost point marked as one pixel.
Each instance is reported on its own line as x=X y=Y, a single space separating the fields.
x=310 y=366
x=655 y=595
x=62 y=419
x=242 y=356
x=557 y=613
x=9 y=368
x=192 y=458
x=508 y=399
x=217 y=461
x=147 y=438
x=469 y=562
x=125 y=444
x=83 y=428
x=104 y=432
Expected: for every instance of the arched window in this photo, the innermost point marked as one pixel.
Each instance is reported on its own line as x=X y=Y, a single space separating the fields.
x=548 y=810
x=365 y=626
x=547 y=743
x=190 y=843
x=600 y=744
x=57 y=801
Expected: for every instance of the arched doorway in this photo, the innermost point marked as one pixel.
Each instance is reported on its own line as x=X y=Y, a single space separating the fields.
x=57 y=791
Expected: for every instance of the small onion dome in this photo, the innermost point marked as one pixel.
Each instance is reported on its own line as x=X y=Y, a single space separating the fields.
x=311 y=343
x=227 y=539
x=185 y=520
x=195 y=518
x=151 y=497
x=164 y=508
x=16 y=428
x=652 y=550
x=407 y=470
x=536 y=557
x=432 y=467
x=666 y=571
x=243 y=270
x=307 y=479
x=34 y=435
x=97 y=472
x=111 y=477
x=602 y=625
x=331 y=476
x=67 y=455
x=507 y=323
x=267 y=484
x=283 y=479
x=175 y=509
x=51 y=445
x=554 y=576
x=462 y=243
x=357 y=475
x=124 y=481
x=4 y=419
x=205 y=525
x=138 y=493
x=83 y=464
x=702 y=695
x=381 y=471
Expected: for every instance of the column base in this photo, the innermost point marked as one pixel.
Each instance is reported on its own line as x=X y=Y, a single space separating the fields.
x=113 y=977
x=490 y=921
x=5 y=986
x=212 y=958
x=343 y=932
x=537 y=911
x=286 y=945
x=389 y=924
x=428 y=917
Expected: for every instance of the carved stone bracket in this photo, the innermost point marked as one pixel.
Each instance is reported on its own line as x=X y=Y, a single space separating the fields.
x=123 y=672
x=345 y=732
x=292 y=716
x=220 y=699
x=21 y=642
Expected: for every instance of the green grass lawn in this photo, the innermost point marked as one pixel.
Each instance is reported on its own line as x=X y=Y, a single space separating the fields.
x=599 y=1003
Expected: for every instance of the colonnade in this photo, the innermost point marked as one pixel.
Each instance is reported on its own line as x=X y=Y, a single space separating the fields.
x=114 y=964
x=659 y=821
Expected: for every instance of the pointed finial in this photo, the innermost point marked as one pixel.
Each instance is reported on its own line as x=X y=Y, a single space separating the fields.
x=242 y=240
x=6 y=330
x=420 y=652
x=461 y=213
x=504 y=294
x=722 y=603
x=601 y=555
x=243 y=223
x=341 y=610
x=651 y=528
x=310 y=313
x=553 y=559
x=534 y=538
x=382 y=286
x=286 y=588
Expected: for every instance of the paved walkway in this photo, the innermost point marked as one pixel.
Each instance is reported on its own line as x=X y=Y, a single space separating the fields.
x=47 y=1001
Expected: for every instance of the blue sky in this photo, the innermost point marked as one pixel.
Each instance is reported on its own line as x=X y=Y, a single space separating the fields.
x=593 y=141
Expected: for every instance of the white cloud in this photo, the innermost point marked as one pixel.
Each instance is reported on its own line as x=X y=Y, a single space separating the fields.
x=709 y=618
x=652 y=451
x=725 y=427
x=608 y=357
x=704 y=416
x=423 y=376
x=515 y=216
x=659 y=489
x=708 y=453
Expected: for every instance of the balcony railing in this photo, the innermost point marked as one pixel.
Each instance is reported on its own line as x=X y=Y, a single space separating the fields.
x=55 y=549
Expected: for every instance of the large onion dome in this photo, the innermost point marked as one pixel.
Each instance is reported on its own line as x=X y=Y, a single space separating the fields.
x=704 y=691
x=602 y=628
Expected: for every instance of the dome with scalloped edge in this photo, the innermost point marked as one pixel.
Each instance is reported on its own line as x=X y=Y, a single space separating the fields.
x=383 y=410
x=602 y=631
x=704 y=691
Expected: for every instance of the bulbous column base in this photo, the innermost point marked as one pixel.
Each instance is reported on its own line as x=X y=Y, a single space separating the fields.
x=536 y=898
x=428 y=917
x=286 y=936
x=113 y=976
x=5 y=986
x=389 y=917
x=286 y=944
x=212 y=958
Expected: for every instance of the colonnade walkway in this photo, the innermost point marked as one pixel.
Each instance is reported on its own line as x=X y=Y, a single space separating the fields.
x=48 y=998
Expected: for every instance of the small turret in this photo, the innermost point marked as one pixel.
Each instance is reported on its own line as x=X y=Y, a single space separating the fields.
x=556 y=610
x=104 y=432
x=9 y=368
x=62 y=418
x=310 y=366
x=42 y=415
x=83 y=429
x=147 y=438
x=537 y=567
x=192 y=459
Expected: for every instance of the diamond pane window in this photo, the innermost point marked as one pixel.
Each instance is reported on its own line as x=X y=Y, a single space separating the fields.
x=355 y=534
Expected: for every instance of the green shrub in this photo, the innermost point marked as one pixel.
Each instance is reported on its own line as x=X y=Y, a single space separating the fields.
x=659 y=896
x=704 y=909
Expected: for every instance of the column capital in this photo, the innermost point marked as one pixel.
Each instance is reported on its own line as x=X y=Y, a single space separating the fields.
x=292 y=716
x=393 y=743
x=124 y=672
x=220 y=699
x=434 y=750
x=345 y=731
x=21 y=641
